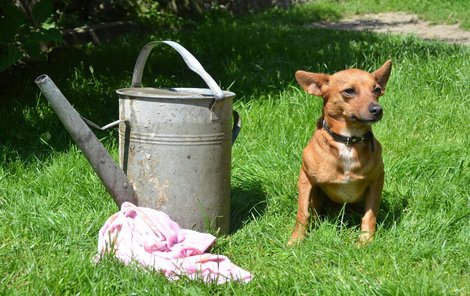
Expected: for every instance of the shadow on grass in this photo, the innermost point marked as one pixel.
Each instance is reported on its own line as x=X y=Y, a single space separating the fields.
x=248 y=202
x=391 y=209
x=350 y=215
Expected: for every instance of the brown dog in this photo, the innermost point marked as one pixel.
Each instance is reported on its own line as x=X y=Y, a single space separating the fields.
x=343 y=159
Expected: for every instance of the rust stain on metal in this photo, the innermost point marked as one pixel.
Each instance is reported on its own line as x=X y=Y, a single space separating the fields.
x=160 y=187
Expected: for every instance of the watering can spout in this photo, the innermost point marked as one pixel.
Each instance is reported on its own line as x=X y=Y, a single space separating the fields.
x=112 y=176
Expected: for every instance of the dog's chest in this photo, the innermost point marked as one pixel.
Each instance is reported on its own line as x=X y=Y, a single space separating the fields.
x=347 y=161
x=348 y=183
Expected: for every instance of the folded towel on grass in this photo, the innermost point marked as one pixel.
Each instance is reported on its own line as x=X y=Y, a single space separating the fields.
x=152 y=239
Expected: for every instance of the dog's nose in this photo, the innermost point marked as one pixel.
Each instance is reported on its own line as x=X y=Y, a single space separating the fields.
x=375 y=110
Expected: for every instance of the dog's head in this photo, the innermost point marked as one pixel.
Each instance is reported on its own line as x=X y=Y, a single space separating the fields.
x=350 y=94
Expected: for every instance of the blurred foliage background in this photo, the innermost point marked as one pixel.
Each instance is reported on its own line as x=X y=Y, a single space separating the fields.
x=29 y=29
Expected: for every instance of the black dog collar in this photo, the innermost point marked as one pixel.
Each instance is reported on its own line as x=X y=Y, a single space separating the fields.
x=349 y=140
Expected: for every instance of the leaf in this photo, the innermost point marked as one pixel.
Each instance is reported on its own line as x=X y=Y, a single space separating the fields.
x=45 y=36
x=11 y=56
x=34 y=37
x=52 y=35
x=11 y=19
x=33 y=49
x=47 y=26
x=42 y=10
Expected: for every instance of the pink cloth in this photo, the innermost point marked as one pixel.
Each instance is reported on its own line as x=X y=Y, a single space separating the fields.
x=151 y=238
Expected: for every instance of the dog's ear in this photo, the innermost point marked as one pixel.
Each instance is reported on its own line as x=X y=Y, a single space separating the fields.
x=313 y=83
x=383 y=73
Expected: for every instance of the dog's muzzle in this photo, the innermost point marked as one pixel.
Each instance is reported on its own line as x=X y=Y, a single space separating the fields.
x=376 y=111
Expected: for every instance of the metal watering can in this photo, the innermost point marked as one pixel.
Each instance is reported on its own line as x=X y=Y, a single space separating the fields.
x=174 y=145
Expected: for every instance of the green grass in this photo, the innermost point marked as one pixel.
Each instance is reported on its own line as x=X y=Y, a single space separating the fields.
x=435 y=11
x=52 y=204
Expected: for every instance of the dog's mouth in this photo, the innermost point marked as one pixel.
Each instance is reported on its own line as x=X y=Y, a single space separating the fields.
x=369 y=115
x=366 y=120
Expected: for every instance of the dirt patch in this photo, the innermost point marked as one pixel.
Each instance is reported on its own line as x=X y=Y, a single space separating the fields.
x=399 y=23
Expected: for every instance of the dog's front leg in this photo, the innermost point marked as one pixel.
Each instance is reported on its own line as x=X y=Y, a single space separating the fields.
x=372 y=203
x=307 y=199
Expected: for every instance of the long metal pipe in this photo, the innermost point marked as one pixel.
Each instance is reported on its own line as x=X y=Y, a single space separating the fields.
x=112 y=176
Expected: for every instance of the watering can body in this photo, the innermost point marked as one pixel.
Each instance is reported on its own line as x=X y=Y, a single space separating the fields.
x=175 y=147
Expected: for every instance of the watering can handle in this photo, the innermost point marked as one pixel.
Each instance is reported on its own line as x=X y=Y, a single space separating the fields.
x=188 y=58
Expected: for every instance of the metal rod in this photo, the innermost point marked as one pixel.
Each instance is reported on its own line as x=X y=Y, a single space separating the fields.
x=112 y=176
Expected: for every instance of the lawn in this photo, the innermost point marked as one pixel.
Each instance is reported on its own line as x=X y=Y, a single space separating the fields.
x=52 y=204
x=435 y=11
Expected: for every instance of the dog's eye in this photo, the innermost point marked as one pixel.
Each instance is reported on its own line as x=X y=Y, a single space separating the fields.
x=377 y=90
x=349 y=92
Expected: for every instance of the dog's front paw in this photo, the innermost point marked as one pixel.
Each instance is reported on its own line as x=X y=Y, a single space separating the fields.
x=295 y=239
x=365 y=238
x=293 y=242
